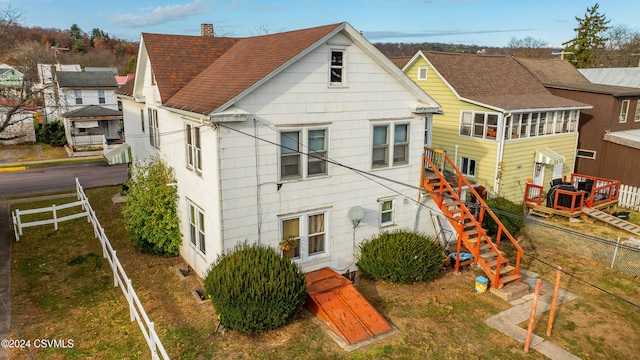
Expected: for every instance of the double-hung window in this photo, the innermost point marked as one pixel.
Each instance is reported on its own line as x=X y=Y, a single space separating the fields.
x=101 y=98
x=467 y=166
x=390 y=145
x=78 y=96
x=422 y=73
x=154 y=130
x=637 y=116
x=386 y=212
x=290 y=155
x=196 y=227
x=479 y=124
x=194 y=148
x=142 y=119
x=303 y=153
x=305 y=235
x=624 y=110
x=337 y=67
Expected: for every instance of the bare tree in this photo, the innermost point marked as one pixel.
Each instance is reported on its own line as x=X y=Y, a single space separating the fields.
x=10 y=18
x=528 y=47
x=621 y=49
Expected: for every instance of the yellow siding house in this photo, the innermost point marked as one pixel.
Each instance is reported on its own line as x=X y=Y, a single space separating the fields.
x=498 y=123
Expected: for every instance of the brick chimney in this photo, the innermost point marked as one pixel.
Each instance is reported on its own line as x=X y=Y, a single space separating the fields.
x=206 y=30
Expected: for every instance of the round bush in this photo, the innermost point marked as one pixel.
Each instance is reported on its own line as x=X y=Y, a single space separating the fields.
x=401 y=257
x=254 y=289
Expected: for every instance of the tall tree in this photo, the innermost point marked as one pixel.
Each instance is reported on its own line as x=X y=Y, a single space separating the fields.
x=10 y=18
x=75 y=32
x=589 y=40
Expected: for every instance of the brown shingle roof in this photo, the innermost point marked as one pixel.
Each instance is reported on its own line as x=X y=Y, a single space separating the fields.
x=200 y=74
x=497 y=81
x=177 y=59
x=400 y=61
x=557 y=73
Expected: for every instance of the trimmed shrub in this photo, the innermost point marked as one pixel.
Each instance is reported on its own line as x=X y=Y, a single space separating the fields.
x=512 y=224
x=254 y=289
x=401 y=257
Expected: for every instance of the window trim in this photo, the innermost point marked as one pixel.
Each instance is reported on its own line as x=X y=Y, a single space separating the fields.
x=193 y=147
x=624 y=111
x=154 y=128
x=381 y=212
x=468 y=124
x=342 y=67
x=390 y=144
x=304 y=235
x=464 y=170
x=197 y=231
x=102 y=99
x=584 y=155
x=636 y=117
x=78 y=96
x=420 y=75
x=304 y=152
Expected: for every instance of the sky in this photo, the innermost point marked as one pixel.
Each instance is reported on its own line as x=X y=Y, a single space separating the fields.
x=491 y=23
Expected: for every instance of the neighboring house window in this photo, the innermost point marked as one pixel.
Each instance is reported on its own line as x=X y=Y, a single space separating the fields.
x=78 y=95
x=479 y=124
x=587 y=154
x=386 y=212
x=534 y=124
x=194 y=149
x=306 y=234
x=422 y=73
x=383 y=149
x=154 y=130
x=337 y=68
x=142 y=119
x=637 y=117
x=303 y=153
x=624 y=109
x=467 y=166
x=101 y=97
x=196 y=226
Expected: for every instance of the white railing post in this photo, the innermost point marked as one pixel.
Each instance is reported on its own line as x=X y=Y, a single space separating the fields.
x=19 y=221
x=55 y=217
x=132 y=309
x=152 y=340
x=15 y=226
x=115 y=269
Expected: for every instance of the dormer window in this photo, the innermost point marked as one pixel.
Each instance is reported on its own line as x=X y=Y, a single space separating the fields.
x=337 y=68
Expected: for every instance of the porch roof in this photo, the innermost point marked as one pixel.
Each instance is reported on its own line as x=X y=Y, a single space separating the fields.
x=548 y=156
x=630 y=138
x=93 y=112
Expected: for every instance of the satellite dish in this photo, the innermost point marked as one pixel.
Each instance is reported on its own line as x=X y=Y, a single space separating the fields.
x=355 y=214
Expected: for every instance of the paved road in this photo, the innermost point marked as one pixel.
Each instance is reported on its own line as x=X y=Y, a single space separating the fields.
x=38 y=180
x=51 y=178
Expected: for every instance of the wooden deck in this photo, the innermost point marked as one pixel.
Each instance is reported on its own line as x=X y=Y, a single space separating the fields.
x=333 y=298
x=547 y=212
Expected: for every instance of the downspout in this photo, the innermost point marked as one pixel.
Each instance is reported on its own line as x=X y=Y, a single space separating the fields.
x=496 y=181
x=216 y=128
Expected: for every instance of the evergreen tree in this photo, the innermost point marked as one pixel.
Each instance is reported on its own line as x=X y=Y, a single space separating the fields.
x=589 y=39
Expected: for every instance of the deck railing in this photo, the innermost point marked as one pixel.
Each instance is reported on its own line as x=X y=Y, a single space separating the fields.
x=600 y=190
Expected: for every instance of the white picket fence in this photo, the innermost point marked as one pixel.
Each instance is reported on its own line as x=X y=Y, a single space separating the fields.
x=629 y=197
x=136 y=311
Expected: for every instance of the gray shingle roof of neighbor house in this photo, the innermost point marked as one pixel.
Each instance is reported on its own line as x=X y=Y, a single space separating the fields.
x=629 y=76
x=91 y=79
x=560 y=74
x=93 y=111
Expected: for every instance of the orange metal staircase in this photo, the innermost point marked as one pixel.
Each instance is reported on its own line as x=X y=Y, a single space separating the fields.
x=438 y=175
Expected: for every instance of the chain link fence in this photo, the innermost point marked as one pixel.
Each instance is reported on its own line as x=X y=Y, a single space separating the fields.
x=618 y=254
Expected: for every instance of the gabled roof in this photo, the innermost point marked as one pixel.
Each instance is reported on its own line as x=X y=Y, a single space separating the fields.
x=494 y=81
x=92 y=111
x=206 y=74
x=560 y=74
x=75 y=79
x=629 y=77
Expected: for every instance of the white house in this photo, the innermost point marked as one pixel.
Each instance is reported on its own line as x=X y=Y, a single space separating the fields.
x=278 y=137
